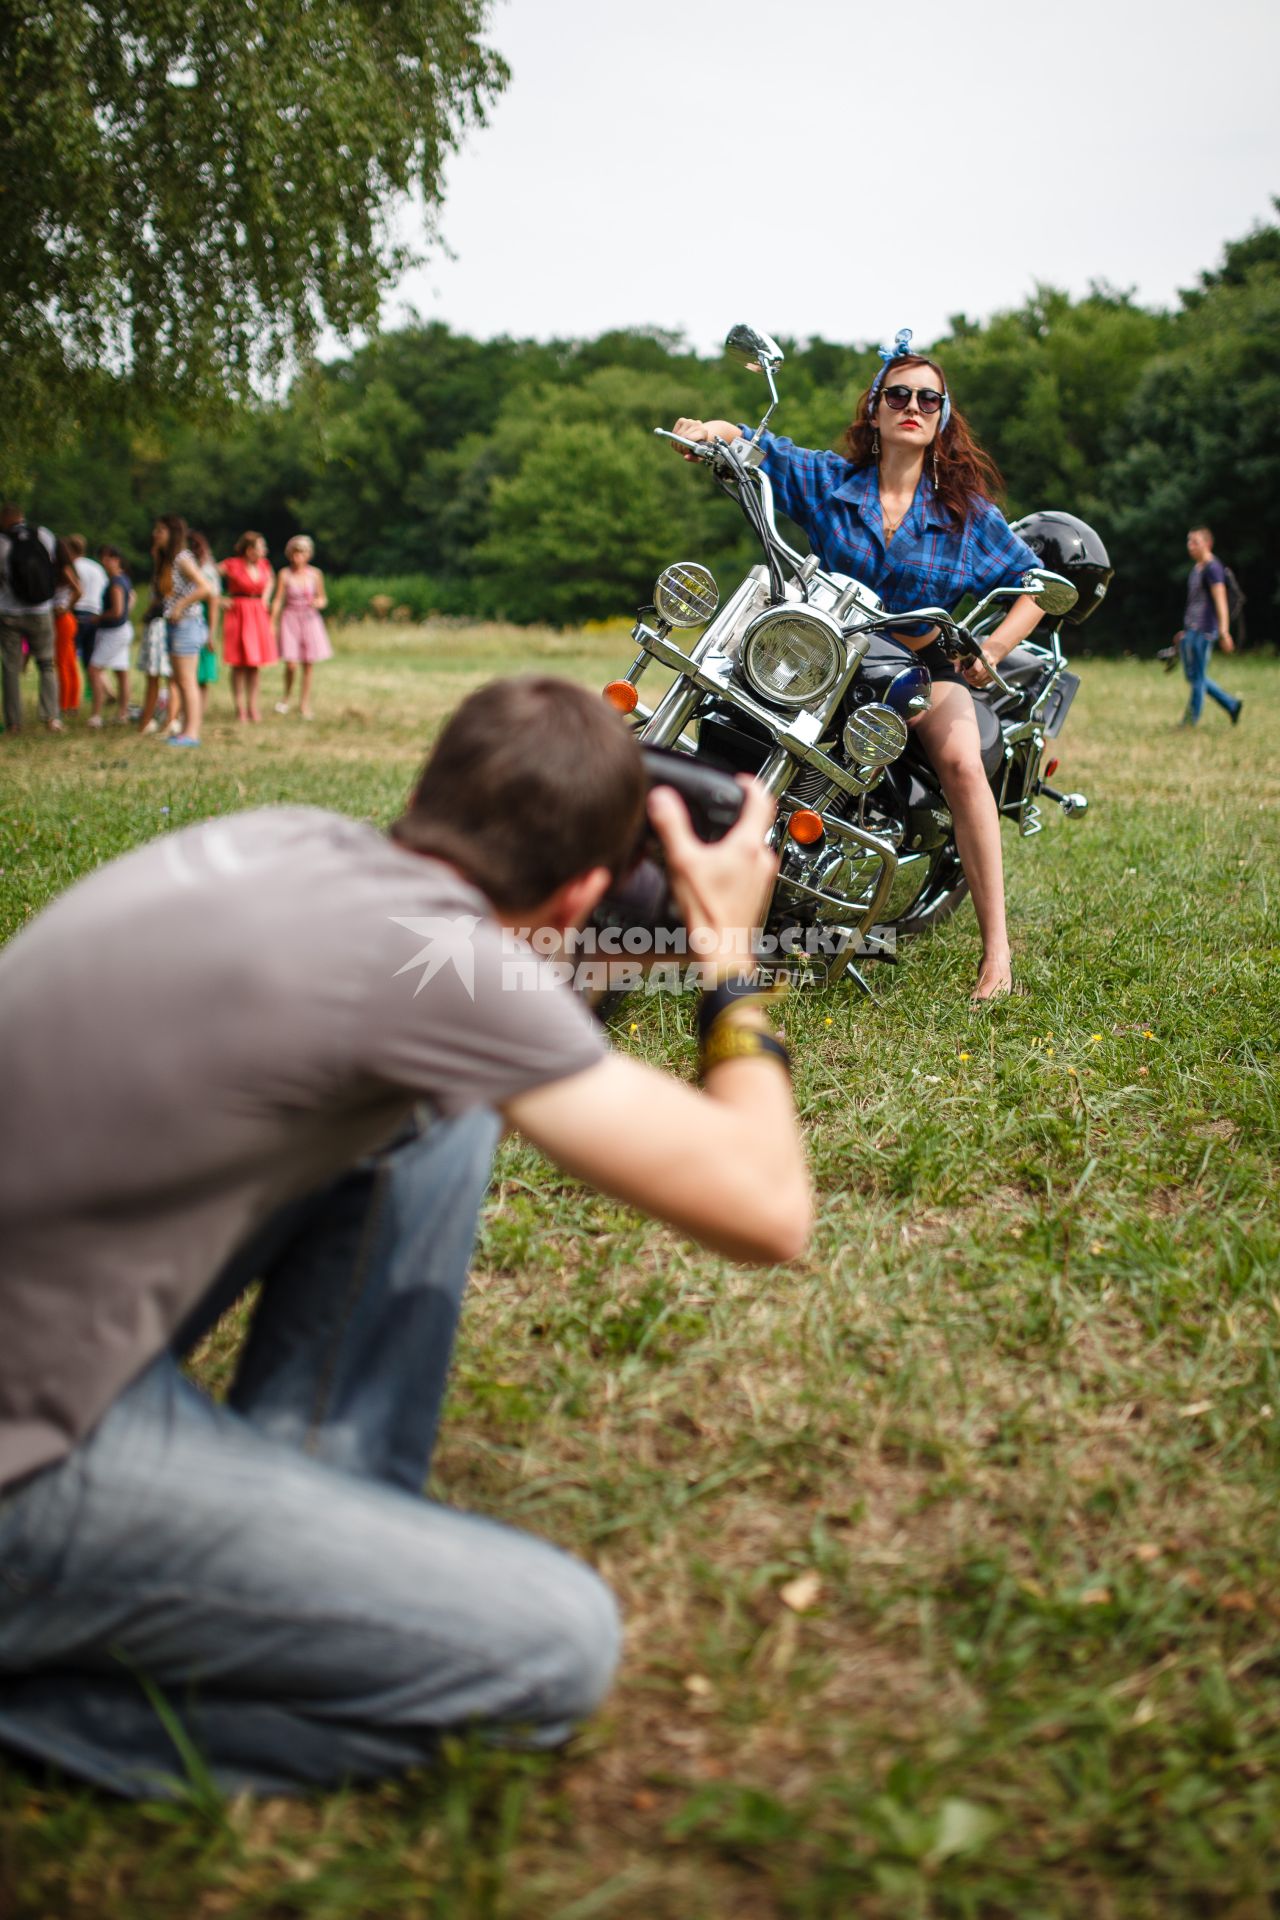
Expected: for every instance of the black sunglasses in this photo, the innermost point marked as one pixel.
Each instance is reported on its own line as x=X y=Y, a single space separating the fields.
x=928 y=399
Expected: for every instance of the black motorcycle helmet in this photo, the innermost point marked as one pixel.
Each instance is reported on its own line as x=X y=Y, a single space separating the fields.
x=1070 y=547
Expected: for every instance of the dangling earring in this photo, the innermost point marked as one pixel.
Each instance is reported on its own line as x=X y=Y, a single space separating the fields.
x=875 y=442
x=935 y=465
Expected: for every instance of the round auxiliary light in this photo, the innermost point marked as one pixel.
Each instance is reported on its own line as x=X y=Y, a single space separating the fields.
x=874 y=735
x=792 y=656
x=621 y=695
x=686 y=595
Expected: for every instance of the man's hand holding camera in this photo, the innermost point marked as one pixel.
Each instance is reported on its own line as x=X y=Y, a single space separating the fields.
x=719 y=886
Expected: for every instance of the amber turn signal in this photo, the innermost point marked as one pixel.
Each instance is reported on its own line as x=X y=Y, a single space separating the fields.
x=622 y=695
x=805 y=826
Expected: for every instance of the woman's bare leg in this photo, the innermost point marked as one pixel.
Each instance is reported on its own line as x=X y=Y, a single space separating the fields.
x=949 y=732
x=251 y=675
x=98 y=681
x=150 y=702
x=239 y=684
x=304 y=704
x=122 y=695
x=185 y=668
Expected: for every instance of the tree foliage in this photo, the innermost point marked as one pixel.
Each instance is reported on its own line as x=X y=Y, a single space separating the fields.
x=189 y=194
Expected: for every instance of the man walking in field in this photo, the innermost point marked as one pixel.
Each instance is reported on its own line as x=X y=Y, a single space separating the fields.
x=266 y=1569
x=1207 y=619
x=28 y=560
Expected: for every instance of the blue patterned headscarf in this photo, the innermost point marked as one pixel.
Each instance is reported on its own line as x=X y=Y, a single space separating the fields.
x=901 y=350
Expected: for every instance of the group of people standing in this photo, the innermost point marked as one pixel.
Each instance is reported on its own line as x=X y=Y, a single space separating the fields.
x=73 y=613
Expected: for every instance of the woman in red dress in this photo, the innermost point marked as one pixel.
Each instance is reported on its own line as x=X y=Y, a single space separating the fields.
x=248 y=643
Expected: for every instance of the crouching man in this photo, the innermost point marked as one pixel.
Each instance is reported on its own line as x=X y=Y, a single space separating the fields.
x=312 y=1045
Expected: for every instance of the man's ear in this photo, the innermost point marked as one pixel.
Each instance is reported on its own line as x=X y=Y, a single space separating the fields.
x=572 y=903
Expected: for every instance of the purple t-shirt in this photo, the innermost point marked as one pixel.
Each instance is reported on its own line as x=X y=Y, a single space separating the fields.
x=1201 y=614
x=215 y=1024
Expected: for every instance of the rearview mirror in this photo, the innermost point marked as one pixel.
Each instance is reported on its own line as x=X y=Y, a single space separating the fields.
x=1052 y=593
x=759 y=354
x=753 y=350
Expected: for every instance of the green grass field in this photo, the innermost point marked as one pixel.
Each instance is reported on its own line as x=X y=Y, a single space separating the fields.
x=949 y=1557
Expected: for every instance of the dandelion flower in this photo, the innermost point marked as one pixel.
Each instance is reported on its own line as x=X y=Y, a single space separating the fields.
x=633 y=1028
x=1050 y=1051
x=966 y=1056
x=1147 y=1034
x=828 y=1021
x=1096 y=1038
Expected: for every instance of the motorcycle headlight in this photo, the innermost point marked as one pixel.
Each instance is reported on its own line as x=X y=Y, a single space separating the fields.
x=792 y=656
x=686 y=595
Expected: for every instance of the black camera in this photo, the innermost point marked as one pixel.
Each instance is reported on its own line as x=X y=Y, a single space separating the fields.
x=641 y=895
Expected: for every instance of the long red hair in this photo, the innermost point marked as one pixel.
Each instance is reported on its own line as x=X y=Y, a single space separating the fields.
x=961 y=472
x=165 y=549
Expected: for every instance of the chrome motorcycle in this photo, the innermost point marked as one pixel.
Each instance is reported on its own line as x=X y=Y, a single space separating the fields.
x=792 y=681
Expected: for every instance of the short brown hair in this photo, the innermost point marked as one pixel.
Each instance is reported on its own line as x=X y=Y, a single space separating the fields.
x=247 y=540
x=532 y=782
x=77 y=546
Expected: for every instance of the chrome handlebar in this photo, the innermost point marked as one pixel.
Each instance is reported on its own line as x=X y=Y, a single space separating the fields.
x=698 y=449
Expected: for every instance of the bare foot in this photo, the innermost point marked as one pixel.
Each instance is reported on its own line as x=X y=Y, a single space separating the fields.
x=995 y=979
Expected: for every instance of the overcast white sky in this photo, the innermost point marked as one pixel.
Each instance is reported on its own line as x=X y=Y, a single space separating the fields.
x=829 y=167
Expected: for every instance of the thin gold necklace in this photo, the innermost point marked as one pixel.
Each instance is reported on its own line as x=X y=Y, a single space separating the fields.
x=889 y=531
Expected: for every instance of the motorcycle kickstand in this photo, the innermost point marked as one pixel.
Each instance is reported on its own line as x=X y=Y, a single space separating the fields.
x=883 y=954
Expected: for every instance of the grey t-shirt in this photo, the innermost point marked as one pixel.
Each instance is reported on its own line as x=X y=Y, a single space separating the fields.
x=202 y=1030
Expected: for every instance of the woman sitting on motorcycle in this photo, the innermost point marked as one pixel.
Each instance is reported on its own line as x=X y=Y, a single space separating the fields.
x=909 y=510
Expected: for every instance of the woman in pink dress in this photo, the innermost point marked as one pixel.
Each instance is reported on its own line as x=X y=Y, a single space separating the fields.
x=248 y=644
x=295 y=614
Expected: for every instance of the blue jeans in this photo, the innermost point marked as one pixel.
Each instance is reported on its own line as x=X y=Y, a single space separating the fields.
x=266 y=1570
x=86 y=634
x=1196 y=648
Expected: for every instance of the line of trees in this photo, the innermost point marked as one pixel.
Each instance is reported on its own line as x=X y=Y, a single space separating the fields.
x=523 y=479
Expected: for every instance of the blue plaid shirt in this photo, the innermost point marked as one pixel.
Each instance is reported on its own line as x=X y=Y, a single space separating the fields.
x=930 y=562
